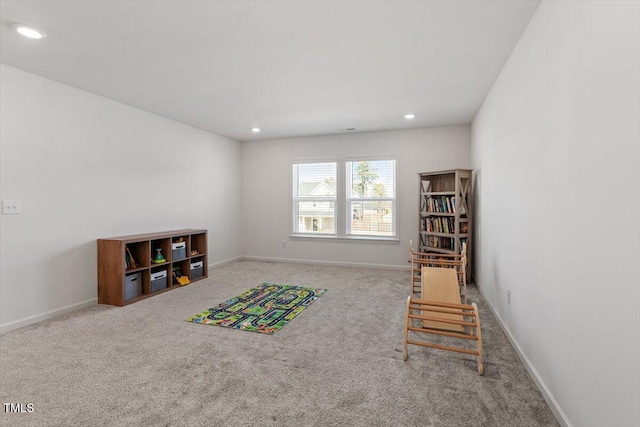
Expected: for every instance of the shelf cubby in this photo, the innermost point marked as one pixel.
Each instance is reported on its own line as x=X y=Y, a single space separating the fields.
x=203 y=270
x=165 y=245
x=160 y=284
x=198 y=243
x=178 y=255
x=139 y=251
x=182 y=266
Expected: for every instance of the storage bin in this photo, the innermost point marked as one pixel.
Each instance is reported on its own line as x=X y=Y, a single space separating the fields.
x=179 y=250
x=197 y=270
x=158 y=280
x=132 y=285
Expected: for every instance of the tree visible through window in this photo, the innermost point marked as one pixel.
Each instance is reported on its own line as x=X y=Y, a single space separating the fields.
x=371 y=197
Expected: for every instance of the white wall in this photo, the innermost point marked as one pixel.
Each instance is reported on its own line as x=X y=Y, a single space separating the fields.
x=86 y=167
x=266 y=189
x=556 y=151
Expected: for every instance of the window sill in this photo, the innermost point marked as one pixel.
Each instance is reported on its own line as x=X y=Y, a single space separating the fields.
x=356 y=239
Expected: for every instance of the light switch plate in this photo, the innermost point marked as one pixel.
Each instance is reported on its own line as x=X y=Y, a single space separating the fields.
x=11 y=207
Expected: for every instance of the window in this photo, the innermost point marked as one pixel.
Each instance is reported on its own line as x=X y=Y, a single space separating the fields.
x=361 y=202
x=314 y=198
x=371 y=197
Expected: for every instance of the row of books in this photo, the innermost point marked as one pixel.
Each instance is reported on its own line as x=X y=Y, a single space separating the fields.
x=443 y=225
x=440 y=242
x=440 y=224
x=446 y=204
x=443 y=242
x=129 y=261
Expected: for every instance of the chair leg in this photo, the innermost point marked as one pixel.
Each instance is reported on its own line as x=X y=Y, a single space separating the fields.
x=464 y=277
x=405 y=355
x=479 y=334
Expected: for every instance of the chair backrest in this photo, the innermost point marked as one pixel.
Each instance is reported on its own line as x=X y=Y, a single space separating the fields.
x=419 y=259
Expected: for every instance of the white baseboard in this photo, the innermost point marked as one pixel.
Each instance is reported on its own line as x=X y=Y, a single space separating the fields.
x=333 y=263
x=46 y=316
x=225 y=262
x=533 y=373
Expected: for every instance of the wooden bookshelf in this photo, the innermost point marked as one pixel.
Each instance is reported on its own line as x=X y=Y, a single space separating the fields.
x=115 y=267
x=445 y=216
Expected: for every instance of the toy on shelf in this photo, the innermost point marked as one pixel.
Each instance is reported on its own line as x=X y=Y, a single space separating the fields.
x=158 y=259
x=179 y=278
x=194 y=252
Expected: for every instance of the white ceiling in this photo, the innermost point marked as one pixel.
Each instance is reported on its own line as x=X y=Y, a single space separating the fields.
x=290 y=68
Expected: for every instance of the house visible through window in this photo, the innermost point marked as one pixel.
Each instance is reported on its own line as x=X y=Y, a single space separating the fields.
x=314 y=198
x=360 y=203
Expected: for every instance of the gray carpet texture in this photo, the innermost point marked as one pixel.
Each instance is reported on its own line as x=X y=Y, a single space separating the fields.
x=339 y=363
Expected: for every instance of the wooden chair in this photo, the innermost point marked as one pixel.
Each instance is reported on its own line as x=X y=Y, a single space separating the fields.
x=431 y=259
x=434 y=314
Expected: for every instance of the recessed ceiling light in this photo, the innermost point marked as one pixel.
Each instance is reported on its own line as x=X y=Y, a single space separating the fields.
x=256 y=130
x=32 y=33
x=409 y=116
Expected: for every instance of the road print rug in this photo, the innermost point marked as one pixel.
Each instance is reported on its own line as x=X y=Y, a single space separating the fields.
x=265 y=309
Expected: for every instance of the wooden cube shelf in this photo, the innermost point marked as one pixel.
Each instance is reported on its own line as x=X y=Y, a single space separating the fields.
x=119 y=257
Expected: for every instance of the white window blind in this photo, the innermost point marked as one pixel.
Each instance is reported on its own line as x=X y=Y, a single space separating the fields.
x=314 y=198
x=371 y=197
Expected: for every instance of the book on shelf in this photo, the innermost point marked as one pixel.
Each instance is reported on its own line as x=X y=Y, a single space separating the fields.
x=441 y=204
x=439 y=225
x=440 y=242
x=130 y=261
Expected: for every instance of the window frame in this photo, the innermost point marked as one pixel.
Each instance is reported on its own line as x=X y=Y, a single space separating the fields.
x=342 y=222
x=348 y=200
x=295 y=201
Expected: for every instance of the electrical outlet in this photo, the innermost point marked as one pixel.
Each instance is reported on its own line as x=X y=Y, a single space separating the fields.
x=11 y=207
x=509 y=296
x=284 y=244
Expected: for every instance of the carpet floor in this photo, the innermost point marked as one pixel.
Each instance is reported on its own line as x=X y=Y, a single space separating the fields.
x=339 y=363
